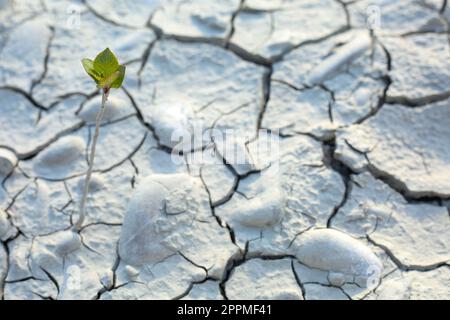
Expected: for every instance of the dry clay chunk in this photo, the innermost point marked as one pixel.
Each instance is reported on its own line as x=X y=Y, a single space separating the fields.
x=258 y=206
x=170 y=214
x=8 y=161
x=277 y=26
x=415 y=285
x=62 y=152
x=22 y=57
x=420 y=69
x=6 y=229
x=60 y=158
x=395 y=17
x=408 y=146
x=208 y=290
x=116 y=108
x=173 y=125
x=146 y=226
x=20 y=130
x=334 y=251
x=264 y=279
x=200 y=18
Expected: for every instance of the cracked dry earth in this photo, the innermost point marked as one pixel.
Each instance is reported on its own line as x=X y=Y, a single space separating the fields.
x=359 y=206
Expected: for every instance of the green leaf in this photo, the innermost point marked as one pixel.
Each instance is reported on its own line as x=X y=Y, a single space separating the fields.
x=88 y=66
x=106 y=63
x=105 y=70
x=118 y=82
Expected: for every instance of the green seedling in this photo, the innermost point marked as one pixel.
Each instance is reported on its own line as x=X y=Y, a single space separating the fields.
x=107 y=73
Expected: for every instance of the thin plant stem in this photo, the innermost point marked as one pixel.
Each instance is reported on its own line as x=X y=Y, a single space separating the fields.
x=98 y=121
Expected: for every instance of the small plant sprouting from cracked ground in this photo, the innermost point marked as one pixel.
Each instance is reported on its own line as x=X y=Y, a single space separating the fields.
x=107 y=73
